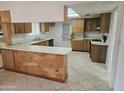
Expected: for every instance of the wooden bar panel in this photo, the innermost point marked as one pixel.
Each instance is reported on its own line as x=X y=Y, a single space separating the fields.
x=8 y=59
x=45 y=65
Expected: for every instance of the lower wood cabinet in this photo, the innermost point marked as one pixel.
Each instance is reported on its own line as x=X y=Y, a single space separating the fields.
x=46 y=65
x=98 y=53
x=81 y=45
x=8 y=59
x=49 y=66
x=77 y=45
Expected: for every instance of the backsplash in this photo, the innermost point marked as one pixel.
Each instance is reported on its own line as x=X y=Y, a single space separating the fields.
x=78 y=36
x=94 y=35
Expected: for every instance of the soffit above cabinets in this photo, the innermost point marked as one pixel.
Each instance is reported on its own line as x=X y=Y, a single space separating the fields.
x=34 y=11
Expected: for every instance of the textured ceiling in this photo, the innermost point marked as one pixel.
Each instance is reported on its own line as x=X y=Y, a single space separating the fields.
x=93 y=7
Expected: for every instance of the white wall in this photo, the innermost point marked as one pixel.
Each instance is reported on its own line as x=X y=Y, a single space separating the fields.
x=117 y=75
x=111 y=39
x=38 y=11
x=56 y=33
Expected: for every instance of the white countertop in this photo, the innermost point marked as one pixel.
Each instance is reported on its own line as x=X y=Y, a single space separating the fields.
x=35 y=48
x=82 y=39
x=99 y=43
x=93 y=42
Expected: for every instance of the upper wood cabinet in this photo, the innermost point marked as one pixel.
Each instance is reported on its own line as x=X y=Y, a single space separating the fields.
x=87 y=24
x=91 y=24
x=28 y=28
x=77 y=26
x=95 y=24
x=22 y=28
x=5 y=17
x=105 y=22
x=19 y=28
x=45 y=27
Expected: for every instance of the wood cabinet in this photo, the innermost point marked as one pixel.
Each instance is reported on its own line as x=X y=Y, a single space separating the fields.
x=105 y=22
x=80 y=45
x=95 y=24
x=50 y=66
x=5 y=20
x=87 y=24
x=98 y=53
x=28 y=27
x=19 y=28
x=91 y=24
x=5 y=17
x=77 y=45
x=45 y=65
x=8 y=59
x=77 y=26
x=86 y=45
x=22 y=28
x=45 y=27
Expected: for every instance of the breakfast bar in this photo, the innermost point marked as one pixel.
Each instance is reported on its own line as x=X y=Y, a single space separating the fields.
x=44 y=61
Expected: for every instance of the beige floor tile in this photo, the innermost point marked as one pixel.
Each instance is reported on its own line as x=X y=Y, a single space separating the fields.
x=83 y=74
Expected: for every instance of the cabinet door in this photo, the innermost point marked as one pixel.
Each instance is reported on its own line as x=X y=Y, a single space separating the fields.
x=19 y=28
x=94 y=24
x=77 y=26
x=8 y=59
x=28 y=28
x=98 y=53
x=105 y=22
x=77 y=45
x=86 y=45
x=5 y=17
x=87 y=25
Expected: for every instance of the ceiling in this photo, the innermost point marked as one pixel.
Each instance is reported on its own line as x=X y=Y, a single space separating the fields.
x=94 y=8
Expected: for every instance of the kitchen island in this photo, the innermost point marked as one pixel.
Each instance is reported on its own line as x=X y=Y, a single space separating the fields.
x=44 y=61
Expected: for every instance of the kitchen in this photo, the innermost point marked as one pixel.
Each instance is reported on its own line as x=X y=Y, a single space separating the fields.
x=56 y=50
x=90 y=35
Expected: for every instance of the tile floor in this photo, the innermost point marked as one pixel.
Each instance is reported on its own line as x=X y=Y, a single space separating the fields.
x=84 y=75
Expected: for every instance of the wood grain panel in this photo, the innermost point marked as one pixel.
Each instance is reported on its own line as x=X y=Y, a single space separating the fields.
x=8 y=59
x=98 y=53
x=28 y=27
x=47 y=65
x=105 y=22
x=5 y=16
x=77 y=26
x=19 y=28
